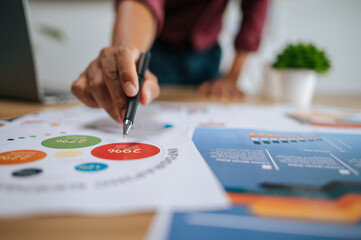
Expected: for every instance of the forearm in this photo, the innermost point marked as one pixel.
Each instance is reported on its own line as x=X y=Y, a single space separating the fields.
x=237 y=65
x=134 y=24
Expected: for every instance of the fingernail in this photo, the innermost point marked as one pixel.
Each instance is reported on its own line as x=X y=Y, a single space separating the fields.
x=149 y=96
x=130 y=89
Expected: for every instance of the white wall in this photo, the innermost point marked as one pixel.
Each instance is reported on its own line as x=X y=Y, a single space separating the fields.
x=331 y=24
x=87 y=27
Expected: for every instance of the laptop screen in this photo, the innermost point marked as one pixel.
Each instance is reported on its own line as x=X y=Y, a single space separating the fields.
x=17 y=72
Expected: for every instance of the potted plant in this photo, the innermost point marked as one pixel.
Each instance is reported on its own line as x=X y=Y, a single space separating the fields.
x=296 y=69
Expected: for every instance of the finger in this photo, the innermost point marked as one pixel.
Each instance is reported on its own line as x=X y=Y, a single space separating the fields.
x=150 y=90
x=100 y=91
x=215 y=91
x=110 y=75
x=126 y=58
x=239 y=95
x=231 y=92
x=80 y=89
x=227 y=92
x=204 y=88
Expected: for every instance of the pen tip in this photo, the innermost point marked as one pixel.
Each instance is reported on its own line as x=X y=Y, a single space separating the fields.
x=126 y=127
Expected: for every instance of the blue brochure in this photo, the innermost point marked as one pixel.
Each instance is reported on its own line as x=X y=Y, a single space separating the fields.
x=238 y=223
x=291 y=163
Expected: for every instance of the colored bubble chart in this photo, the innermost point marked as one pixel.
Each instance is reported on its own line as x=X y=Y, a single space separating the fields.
x=21 y=156
x=27 y=172
x=125 y=151
x=91 y=167
x=71 y=141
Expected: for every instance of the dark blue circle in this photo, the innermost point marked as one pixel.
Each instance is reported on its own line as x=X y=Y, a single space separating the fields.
x=27 y=172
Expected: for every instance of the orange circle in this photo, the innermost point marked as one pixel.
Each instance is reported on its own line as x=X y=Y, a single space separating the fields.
x=20 y=156
x=125 y=151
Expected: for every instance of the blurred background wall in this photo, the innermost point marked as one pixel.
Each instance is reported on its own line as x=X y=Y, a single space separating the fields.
x=69 y=34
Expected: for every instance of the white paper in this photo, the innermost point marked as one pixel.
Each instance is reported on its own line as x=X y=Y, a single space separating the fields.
x=176 y=177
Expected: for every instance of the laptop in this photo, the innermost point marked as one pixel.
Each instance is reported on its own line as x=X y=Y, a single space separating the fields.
x=18 y=77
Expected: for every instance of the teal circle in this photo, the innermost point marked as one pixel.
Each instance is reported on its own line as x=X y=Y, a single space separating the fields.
x=91 y=167
x=71 y=141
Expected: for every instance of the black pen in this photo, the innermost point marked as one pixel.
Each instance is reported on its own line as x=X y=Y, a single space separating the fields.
x=133 y=101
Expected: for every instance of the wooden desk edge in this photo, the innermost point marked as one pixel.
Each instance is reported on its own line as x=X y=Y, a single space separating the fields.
x=131 y=226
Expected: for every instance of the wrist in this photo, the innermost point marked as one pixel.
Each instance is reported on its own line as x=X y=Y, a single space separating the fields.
x=232 y=76
x=237 y=66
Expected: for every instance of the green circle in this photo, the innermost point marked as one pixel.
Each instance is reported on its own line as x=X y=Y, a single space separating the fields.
x=71 y=141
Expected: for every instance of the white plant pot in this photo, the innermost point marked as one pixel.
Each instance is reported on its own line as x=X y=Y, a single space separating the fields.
x=298 y=86
x=290 y=86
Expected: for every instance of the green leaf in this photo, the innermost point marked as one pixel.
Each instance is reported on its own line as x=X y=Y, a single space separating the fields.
x=302 y=56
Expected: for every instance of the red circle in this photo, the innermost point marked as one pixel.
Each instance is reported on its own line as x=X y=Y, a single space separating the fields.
x=125 y=151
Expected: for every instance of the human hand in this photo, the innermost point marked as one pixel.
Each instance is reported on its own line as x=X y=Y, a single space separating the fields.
x=111 y=78
x=224 y=88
